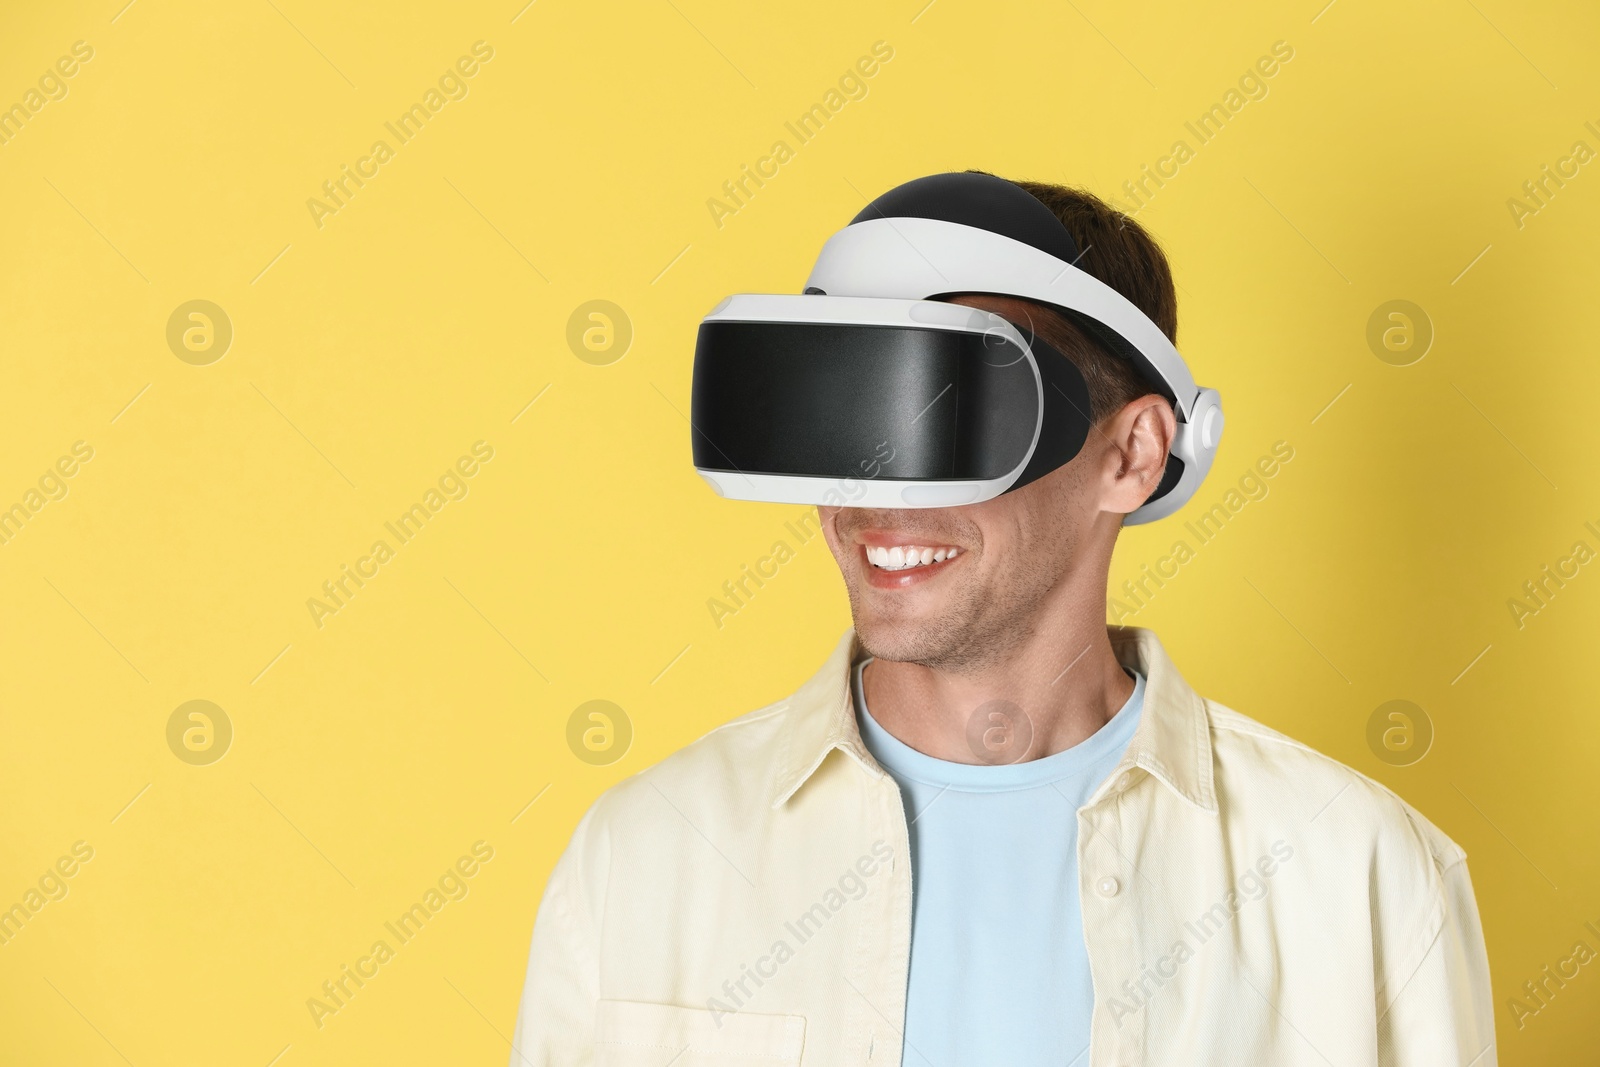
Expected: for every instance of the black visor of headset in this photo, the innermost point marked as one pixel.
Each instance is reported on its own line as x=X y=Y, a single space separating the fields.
x=864 y=392
x=873 y=402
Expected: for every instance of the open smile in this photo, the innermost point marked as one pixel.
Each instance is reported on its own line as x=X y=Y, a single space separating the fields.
x=900 y=566
x=904 y=557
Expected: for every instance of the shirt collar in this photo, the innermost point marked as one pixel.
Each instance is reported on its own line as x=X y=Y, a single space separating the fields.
x=1172 y=742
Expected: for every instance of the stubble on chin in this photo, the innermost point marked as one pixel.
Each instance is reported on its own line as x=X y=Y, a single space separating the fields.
x=970 y=628
x=953 y=639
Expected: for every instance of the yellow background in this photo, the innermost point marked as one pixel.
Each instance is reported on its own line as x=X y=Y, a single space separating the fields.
x=368 y=354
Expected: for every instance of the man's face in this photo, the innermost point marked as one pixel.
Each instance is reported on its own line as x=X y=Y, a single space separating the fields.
x=995 y=564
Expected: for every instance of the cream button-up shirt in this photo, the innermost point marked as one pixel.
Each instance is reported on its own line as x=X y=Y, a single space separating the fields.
x=1247 y=902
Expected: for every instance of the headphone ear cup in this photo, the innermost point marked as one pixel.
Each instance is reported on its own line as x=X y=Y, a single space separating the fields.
x=1066 y=412
x=1193 y=451
x=1169 y=479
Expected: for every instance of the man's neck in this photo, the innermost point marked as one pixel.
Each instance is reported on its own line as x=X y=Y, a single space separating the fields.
x=1065 y=678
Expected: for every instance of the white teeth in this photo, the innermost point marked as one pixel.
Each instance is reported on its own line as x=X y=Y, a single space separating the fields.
x=904 y=557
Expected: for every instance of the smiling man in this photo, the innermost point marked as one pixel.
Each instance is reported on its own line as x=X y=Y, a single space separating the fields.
x=991 y=828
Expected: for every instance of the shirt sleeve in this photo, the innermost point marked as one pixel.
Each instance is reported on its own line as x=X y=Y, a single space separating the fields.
x=556 y=1017
x=1441 y=1011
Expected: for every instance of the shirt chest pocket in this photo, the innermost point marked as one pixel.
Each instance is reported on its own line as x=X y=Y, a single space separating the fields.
x=630 y=1033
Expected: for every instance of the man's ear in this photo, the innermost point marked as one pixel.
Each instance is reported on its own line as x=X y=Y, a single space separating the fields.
x=1138 y=437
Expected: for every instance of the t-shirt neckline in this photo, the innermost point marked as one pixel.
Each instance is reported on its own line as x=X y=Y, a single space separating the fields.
x=904 y=761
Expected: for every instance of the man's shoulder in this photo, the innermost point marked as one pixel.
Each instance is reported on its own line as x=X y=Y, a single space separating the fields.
x=729 y=778
x=1268 y=768
x=729 y=770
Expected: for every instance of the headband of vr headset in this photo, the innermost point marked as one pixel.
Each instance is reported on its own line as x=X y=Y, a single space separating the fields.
x=867 y=391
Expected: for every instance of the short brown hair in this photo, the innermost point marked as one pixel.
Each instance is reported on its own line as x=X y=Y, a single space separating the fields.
x=1118 y=251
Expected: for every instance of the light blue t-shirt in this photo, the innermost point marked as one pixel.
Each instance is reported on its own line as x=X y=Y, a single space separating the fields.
x=999 y=973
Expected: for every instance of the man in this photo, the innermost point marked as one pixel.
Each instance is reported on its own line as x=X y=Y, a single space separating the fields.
x=991 y=828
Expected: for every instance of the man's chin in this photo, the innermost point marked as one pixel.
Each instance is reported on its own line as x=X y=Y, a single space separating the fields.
x=931 y=624
x=906 y=640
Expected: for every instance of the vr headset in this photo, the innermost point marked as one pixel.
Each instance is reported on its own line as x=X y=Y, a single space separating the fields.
x=868 y=392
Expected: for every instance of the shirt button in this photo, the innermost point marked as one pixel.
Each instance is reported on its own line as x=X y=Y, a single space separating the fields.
x=1108 y=886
